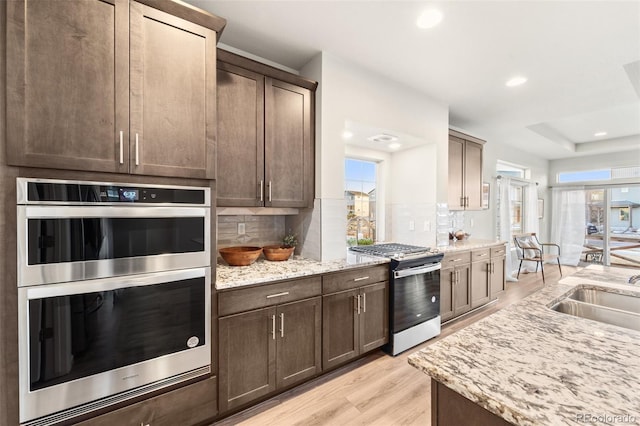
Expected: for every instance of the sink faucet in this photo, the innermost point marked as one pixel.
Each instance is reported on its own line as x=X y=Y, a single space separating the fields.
x=634 y=279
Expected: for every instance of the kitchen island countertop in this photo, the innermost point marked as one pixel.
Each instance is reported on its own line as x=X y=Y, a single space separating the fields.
x=263 y=271
x=534 y=366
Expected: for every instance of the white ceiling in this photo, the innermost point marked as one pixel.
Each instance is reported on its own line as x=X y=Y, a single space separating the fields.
x=581 y=58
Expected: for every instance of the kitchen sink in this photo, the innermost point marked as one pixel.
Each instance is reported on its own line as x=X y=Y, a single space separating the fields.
x=607 y=299
x=598 y=305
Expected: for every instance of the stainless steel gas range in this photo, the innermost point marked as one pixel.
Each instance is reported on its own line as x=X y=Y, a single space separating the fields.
x=414 y=296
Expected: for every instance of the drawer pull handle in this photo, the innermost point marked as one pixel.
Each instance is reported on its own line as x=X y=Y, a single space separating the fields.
x=455 y=260
x=282 y=324
x=121 y=148
x=273 y=327
x=361 y=278
x=483 y=254
x=284 y=293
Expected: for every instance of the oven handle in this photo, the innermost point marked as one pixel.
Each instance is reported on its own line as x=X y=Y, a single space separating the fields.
x=63 y=212
x=416 y=271
x=113 y=283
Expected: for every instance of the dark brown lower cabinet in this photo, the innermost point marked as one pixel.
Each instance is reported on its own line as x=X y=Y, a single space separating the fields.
x=480 y=285
x=188 y=405
x=266 y=349
x=449 y=408
x=498 y=267
x=354 y=322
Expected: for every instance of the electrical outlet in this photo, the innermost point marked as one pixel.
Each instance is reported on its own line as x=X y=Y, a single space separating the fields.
x=412 y=225
x=427 y=226
x=241 y=229
x=471 y=223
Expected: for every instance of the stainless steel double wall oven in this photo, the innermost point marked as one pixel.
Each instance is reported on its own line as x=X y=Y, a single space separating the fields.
x=114 y=293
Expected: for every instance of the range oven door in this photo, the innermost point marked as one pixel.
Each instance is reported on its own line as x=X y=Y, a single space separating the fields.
x=74 y=243
x=416 y=296
x=83 y=341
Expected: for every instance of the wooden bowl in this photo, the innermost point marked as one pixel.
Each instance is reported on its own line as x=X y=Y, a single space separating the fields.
x=240 y=255
x=277 y=253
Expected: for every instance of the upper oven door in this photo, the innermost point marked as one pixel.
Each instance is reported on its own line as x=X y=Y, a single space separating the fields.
x=74 y=243
x=416 y=296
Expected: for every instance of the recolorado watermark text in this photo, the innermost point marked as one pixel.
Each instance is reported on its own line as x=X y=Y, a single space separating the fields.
x=606 y=418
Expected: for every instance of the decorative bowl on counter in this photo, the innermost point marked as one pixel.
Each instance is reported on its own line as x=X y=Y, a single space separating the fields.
x=240 y=255
x=277 y=253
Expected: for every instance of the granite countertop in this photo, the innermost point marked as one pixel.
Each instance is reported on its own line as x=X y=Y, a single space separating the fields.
x=470 y=244
x=533 y=366
x=263 y=271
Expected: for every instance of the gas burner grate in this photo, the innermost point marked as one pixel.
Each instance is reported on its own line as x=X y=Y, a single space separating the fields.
x=390 y=249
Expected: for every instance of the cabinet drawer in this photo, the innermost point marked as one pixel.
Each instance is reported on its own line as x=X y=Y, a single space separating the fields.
x=498 y=251
x=240 y=300
x=354 y=278
x=455 y=258
x=192 y=404
x=481 y=254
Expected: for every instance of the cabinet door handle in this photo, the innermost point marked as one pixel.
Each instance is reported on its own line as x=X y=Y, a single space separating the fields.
x=364 y=302
x=281 y=324
x=121 y=147
x=261 y=190
x=361 y=278
x=284 y=293
x=270 y=186
x=461 y=201
x=273 y=327
x=358 y=304
x=137 y=152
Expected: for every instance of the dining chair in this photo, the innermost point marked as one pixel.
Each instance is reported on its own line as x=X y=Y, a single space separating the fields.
x=530 y=249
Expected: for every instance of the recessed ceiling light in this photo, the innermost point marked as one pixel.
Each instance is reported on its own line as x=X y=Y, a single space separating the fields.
x=429 y=18
x=516 y=81
x=347 y=134
x=598 y=134
x=383 y=137
x=394 y=145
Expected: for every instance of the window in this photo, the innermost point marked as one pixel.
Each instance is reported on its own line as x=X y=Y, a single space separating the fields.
x=517 y=207
x=516 y=193
x=360 y=194
x=584 y=176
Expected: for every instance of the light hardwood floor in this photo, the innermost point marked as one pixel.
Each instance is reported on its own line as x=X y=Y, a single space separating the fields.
x=377 y=389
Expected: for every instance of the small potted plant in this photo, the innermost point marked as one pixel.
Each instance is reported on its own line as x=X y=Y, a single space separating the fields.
x=281 y=251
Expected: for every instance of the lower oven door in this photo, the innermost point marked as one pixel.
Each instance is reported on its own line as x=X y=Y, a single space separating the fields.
x=83 y=341
x=416 y=296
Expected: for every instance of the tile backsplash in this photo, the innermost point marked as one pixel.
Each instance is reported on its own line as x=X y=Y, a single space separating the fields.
x=258 y=230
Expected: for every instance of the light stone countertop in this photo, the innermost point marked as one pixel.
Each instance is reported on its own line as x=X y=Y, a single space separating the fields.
x=263 y=271
x=470 y=244
x=533 y=366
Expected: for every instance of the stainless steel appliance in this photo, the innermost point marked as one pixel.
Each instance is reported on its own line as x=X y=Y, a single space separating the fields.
x=114 y=293
x=414 y=296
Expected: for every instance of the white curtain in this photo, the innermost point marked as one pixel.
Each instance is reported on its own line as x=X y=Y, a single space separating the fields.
x=568 y=221
x=531 y=221
x=504 y=222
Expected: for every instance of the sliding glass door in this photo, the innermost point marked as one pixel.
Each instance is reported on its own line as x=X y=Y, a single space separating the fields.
x=612 y=229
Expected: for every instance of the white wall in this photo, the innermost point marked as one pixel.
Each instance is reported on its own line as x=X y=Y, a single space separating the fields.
x=484 y=222
x=350 y=93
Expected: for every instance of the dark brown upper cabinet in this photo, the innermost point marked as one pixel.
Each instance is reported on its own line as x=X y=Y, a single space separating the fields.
x=112 y=86
x=465 y=171
x=266 y=122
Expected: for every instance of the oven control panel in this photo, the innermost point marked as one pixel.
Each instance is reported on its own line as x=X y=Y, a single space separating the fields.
x=42 y=191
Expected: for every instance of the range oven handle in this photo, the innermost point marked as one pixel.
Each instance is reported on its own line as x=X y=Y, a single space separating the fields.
x=416 y=271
